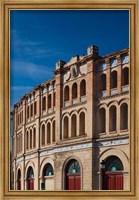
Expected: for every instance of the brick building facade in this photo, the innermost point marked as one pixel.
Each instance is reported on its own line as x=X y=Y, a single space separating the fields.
x=72 y=131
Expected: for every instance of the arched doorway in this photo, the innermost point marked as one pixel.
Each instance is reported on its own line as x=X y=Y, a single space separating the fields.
x=47 y=177
x=30 y=179
x=72 y=175
x=19 y=179
x=112 y=174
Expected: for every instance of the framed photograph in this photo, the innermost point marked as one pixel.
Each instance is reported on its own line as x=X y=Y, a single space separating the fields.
x=69 y=100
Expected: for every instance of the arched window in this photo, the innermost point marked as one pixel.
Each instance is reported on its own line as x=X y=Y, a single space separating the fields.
x=48 y=170
x=31 y=110
x=103 y=82
x=17 y=119
x=44 y=103
x=48 y=133
x=66 y=127
x=113 y=163
x=20 y=118
x=28 y=112
x=73 y=126
x=82 y=123
x=34 y=137
x=43 y=135
x=27 y=140
x=53 y=131
x=54 y=99
x=66 y=93
x=74 y=91
x=35 y=108
x=30 y=138
x=17 y=143
x=30 y=179
x=49 y=101
x=19 y=179
x=20 y=143
x=112 y=119
x=102 y=120
x=83 y=88
x=124 y=116
x=72 y=175
x=113 y=79
x=125 y=76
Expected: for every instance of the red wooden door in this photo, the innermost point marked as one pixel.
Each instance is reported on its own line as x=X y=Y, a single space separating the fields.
x=31 y=184
x=113 y=181
x=73 y=182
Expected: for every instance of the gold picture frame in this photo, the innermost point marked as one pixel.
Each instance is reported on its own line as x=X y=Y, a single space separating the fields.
x=5 y=6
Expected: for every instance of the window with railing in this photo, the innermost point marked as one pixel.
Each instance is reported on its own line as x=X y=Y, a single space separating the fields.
x=125 y=59
x=113 y=62
x=102 y=66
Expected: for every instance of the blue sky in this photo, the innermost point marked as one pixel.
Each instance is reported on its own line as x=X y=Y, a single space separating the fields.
x=38 y=38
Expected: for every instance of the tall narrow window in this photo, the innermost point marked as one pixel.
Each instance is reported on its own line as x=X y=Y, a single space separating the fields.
x=73 y=126
x=28 y=112
x=35 y=108
x=19 y=179
x=74 y=91
x=43 y=135
x=18 y=119
x=124 y=116
x=66 y=127
x=125 y=76
x=44 y=103
x=22 y=116
x=103 y=82
x=17 y=142
x=27 y=140
x=83 y=88
x=53 y=130
x=112 y=118
x=82 y=123
x=49 y=101
x=54 y=99
x=48 y=133
x=31 y=139
x=66 y=93
x=102 y=120
x=21 y=142
x=31 y=110
x=34 y=137
x=113 y=79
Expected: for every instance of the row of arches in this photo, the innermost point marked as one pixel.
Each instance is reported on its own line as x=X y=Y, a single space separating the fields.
x=32 y=109
x=114 y=79
x=30 y=141
x=74 y=90
x=70 y=125
x=72 y=174
x=20 y=117
x=47 y=133
x=102 y=116
x=48 y=101
x=19 y=142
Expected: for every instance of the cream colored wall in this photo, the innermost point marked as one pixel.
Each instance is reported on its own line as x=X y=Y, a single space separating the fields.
x=89 y=158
